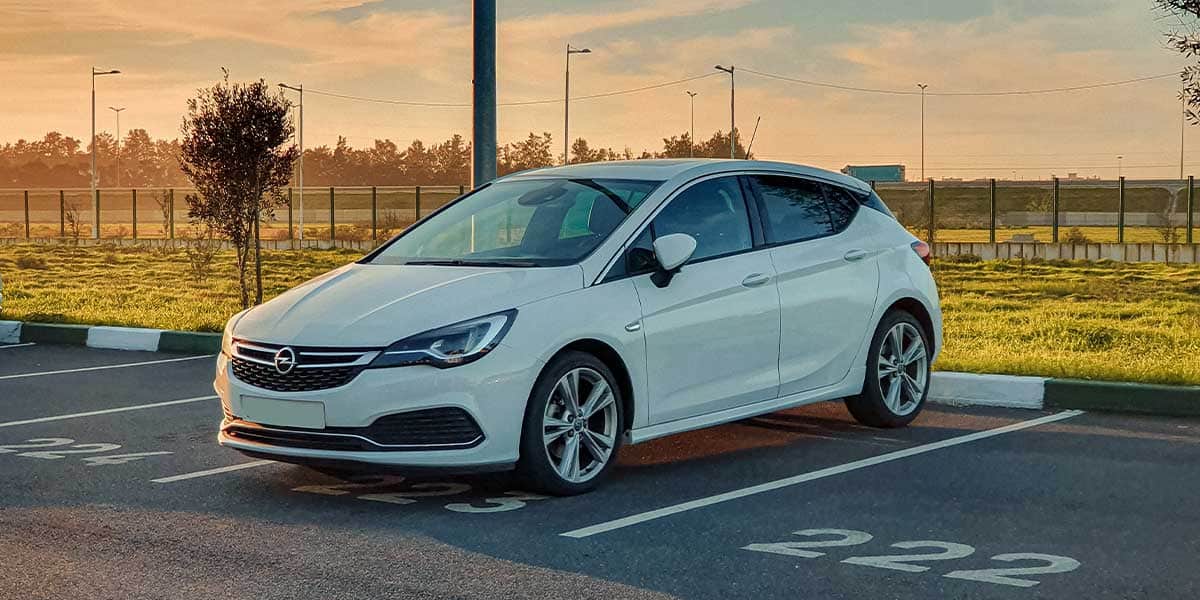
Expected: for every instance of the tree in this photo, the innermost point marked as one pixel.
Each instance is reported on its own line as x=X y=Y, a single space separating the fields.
x=718 y=146
x=1185 y=39
x=530 y=153
x=680 y=146
x=235 y=151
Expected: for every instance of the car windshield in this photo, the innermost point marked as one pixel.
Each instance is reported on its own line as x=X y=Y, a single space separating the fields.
x=524 y=223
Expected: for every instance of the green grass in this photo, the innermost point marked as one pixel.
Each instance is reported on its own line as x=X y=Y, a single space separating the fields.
x=136 y=287
x=1100 y=320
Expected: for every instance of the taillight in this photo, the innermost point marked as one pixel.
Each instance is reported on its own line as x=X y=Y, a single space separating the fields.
x=922 y=250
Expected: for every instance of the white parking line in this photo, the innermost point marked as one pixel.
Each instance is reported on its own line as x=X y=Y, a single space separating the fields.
x=106 y=411
x=217 y=471
x=5 y=346
x=101 y=368
x=811 y=476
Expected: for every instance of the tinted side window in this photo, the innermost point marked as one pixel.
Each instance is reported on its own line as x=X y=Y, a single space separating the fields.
x=794 y=208
x=842 y=207
x=713 y=212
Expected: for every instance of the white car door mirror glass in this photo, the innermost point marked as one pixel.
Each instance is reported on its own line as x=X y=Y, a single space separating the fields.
x=674 y=250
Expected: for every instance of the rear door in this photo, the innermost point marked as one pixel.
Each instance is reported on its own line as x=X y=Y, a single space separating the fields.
x=827 y=278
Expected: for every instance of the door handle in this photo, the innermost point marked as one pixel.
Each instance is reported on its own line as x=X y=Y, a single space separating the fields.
x=756 y=279
x=855 y=255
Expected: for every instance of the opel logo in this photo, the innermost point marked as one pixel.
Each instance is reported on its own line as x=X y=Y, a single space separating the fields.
x=285 y=361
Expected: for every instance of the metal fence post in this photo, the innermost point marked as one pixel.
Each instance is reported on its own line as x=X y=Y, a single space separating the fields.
x=872 y=184
x=62 y=214
x=417 y=212
x=461 y=189
x=1121 y=210
x=932 y=220
x=134 y=213
x=992 y=210
x=1054 y=218
x=374 y=215
x=332 y=221
x=291 y=233
x=26 y=214
x=1191 y=206
x=171 y=212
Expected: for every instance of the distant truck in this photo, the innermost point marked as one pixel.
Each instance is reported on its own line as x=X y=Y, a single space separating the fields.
x=876 y=173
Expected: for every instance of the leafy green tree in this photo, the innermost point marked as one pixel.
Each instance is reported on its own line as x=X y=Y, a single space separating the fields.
x=1185 y=39
x=236 y=153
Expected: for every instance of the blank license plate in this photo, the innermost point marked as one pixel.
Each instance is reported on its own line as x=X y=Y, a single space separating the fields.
x=288 y=413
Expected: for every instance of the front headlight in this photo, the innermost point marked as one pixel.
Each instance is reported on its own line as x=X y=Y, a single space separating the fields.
x=449 y=346
x=227 y=335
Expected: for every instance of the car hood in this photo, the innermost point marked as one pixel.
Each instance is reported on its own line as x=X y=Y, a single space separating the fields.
x=375 y=305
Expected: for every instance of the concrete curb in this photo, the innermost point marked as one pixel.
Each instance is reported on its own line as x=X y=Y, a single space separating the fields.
x=1136 y=398
x=970 y=389
x=118 y=338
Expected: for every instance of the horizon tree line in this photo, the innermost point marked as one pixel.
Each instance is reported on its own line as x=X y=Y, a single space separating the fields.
x=60 y=161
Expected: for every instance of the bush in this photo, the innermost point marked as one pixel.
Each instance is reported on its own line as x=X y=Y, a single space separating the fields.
x=31 y=262
x=201 y=250
x=1076 y=235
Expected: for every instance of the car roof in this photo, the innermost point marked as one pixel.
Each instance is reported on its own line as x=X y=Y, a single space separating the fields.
x=663 y=169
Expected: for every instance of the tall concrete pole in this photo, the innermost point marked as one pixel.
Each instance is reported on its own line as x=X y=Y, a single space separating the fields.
x=732 y=126
x=692 y=140
x=922 y=86
x=483 y=99
x=300 y=166
x=118 y=111
x=95 y=201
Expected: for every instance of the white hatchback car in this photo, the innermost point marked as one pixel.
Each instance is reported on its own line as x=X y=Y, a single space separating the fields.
x=547 y=318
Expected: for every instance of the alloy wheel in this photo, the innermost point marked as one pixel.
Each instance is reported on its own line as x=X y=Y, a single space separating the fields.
x=579 y=427
x=903 y=369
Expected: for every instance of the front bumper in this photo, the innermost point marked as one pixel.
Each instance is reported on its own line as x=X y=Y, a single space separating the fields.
x=493 y=391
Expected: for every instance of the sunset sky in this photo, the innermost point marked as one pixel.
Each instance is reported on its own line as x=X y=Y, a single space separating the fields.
x=420 y=50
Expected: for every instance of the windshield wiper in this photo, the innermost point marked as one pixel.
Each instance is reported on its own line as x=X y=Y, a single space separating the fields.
x=458 y=262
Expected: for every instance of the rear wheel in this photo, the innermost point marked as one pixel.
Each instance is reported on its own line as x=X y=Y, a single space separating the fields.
x=897 y=380
x=573 y=426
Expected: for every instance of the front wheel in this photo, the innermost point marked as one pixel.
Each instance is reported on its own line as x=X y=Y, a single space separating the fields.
x=573 y=426
x=897 y=380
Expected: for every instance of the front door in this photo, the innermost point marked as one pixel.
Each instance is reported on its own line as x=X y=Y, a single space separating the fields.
x=712 y=334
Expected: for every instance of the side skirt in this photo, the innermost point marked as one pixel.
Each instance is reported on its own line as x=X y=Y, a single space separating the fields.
x=849 y=386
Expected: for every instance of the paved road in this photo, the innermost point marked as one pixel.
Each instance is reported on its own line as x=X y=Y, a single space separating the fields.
x=126 y=500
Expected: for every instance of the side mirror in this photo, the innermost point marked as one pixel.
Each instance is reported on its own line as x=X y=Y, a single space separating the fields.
x=671 y=251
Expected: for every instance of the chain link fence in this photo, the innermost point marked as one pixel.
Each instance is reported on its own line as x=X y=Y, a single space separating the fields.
x=326 y=213
x=1055 y=211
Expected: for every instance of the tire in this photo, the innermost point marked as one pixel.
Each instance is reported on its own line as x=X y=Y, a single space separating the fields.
x=876 y=406
x=544 y=465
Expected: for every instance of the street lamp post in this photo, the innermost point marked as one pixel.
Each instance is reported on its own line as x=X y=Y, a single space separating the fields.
x=118 y=111
x=567 y=102
x=300 y=166
x=95 y=201
x=732 y=128
x=922 y=86
x=692 y=136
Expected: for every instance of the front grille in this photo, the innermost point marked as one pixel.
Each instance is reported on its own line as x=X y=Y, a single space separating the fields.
x=428 y=429
x=314 y=368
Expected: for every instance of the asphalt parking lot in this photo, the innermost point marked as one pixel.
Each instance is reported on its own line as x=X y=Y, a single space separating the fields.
x=116 y=488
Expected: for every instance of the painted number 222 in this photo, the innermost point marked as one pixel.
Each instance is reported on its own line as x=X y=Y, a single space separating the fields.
x=911 y=563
